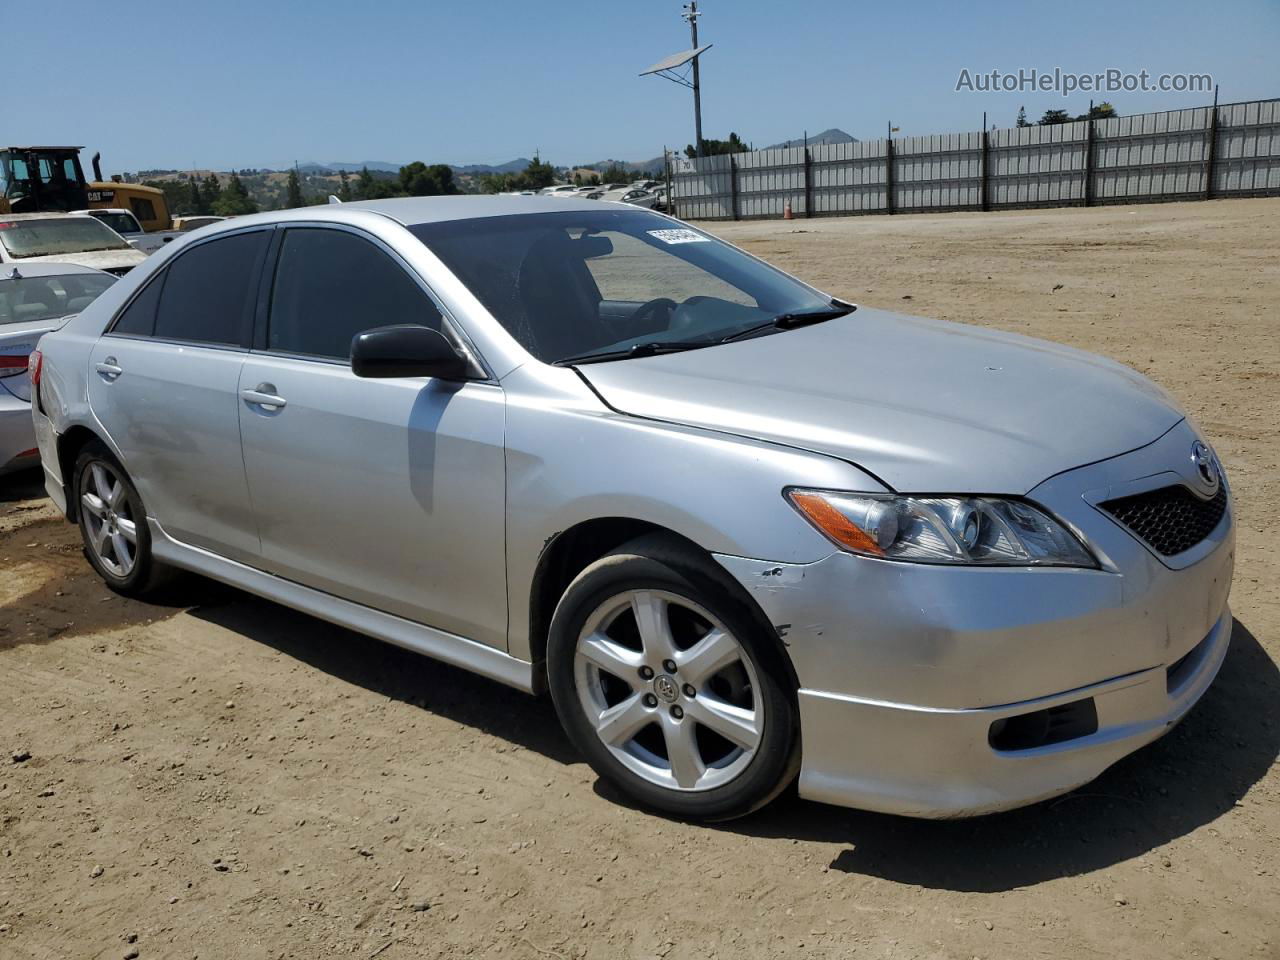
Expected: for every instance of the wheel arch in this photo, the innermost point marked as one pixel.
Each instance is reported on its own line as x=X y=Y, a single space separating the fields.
x=572 y=550
x=70 y=444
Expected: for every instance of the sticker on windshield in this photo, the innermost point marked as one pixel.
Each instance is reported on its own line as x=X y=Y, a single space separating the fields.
x=678 y=236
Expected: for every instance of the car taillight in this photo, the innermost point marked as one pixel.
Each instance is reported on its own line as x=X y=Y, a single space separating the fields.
x=12 y=365
x=35 y=367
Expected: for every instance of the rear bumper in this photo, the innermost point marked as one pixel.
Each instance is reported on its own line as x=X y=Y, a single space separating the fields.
x=930 y=762
x=17 y=438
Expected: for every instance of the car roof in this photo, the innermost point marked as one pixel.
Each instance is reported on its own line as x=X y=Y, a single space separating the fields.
x=410 y=211
x=44 y=268
x=414 y=210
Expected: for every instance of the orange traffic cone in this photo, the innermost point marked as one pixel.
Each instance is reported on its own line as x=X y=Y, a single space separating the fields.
x=786 y=211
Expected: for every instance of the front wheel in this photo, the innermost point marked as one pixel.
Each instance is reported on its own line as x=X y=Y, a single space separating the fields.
x=670 y=685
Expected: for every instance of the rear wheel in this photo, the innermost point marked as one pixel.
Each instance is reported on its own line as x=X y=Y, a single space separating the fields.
x=670 y=685
x=113 y=524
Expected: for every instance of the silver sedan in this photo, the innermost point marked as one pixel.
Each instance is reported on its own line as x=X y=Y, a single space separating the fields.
x=34 y=299
x=745 y=533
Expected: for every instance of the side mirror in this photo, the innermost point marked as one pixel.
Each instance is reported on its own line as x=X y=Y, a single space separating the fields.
x=406 y=350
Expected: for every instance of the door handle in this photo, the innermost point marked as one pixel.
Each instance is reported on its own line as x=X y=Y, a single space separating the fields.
x=263 y=395
x=108 y=369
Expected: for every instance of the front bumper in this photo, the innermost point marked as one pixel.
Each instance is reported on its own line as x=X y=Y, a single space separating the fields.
x=904 y=668
x=926 y=762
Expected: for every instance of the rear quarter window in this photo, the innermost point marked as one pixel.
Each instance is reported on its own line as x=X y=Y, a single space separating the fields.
x=208 y=291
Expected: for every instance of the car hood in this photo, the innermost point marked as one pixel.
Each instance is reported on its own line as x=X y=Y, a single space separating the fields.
x=99 y=259
x=925 y=405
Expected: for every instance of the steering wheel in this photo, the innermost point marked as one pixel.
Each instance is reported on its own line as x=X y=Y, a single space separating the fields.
x=649 y=311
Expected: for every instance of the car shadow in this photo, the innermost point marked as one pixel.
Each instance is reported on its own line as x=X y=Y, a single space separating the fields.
x=388 y=670
x=27 y=484
x=1186 y=780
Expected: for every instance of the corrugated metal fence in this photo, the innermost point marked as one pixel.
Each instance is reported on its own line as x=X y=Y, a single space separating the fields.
x=1232 y=150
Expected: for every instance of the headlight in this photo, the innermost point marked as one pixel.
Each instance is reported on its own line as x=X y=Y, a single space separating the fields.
x=973 y=530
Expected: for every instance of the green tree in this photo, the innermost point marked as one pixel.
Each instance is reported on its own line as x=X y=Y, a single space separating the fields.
x=344 y=191
x=711 y=148
x=419 y=180
x=195 y=203
x=1055 y=116
x=535 y=176
x=209 y=193
x=234 y=201
x=294 y=191
x=364 y=184
x=1022 y=117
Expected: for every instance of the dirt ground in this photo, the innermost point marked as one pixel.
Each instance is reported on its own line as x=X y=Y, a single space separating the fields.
x=219 y=777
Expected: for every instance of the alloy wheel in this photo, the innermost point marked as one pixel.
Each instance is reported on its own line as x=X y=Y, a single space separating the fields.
x=669 y=690
x=110 y=527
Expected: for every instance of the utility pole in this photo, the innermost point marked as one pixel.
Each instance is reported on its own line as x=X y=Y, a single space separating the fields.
x=691 y=14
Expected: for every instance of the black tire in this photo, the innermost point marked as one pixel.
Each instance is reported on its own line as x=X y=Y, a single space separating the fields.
x=665 y=563
x=147 y=575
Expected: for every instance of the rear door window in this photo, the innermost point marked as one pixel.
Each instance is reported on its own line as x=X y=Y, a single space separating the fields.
x=209 y=292
x=331 y=285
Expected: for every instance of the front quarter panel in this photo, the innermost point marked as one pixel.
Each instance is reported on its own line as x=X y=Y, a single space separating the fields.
x=571 y=459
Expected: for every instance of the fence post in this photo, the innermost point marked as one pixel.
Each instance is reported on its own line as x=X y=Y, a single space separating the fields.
x=1211 y=147
x=1088 y=162
x=666 y=164
x=986 y=156
x=733 y=186
x=808 y=180
x=888 y=175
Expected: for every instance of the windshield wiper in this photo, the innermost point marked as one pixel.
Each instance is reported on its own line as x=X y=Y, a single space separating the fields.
x=789 y=321
x=650 y=348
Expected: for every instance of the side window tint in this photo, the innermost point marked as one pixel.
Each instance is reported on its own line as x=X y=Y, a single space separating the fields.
x=209 y=293
x=139 y=318
x=331 y=285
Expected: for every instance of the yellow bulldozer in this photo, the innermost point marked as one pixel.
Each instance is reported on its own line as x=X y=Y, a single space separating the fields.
x=39 y=179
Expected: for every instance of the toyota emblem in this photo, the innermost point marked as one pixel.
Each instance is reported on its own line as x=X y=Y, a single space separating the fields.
x=1202 y=458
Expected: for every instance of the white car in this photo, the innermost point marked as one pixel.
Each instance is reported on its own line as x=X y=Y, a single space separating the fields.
x=638 y=198
x=126 y=224
x=27 y=238
x=560 y=190
x=34 y=300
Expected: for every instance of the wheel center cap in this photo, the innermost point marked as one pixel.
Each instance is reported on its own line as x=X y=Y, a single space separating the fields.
x=666 y=688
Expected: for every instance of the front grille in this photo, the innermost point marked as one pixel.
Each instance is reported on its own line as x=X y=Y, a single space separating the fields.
x=1169 y=520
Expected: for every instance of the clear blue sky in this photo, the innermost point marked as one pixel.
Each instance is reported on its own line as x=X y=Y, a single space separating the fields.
x=263 y=83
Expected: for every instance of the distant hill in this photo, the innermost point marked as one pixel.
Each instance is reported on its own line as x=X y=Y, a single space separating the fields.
x=834 y=135
x=628 y=165
x=511 y=166
x=335 y=167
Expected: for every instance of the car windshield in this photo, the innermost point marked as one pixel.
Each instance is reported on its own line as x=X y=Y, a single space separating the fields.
x=121 y=223
x=50 y=236
x=48 y=298
x=565 y=284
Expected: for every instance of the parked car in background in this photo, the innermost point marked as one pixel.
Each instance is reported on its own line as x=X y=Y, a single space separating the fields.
x=126 y=224
x=631 y=195
x=65 y=238
x=187 y=224
x=744 y=531
x=560 y=190
x=34 y=299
